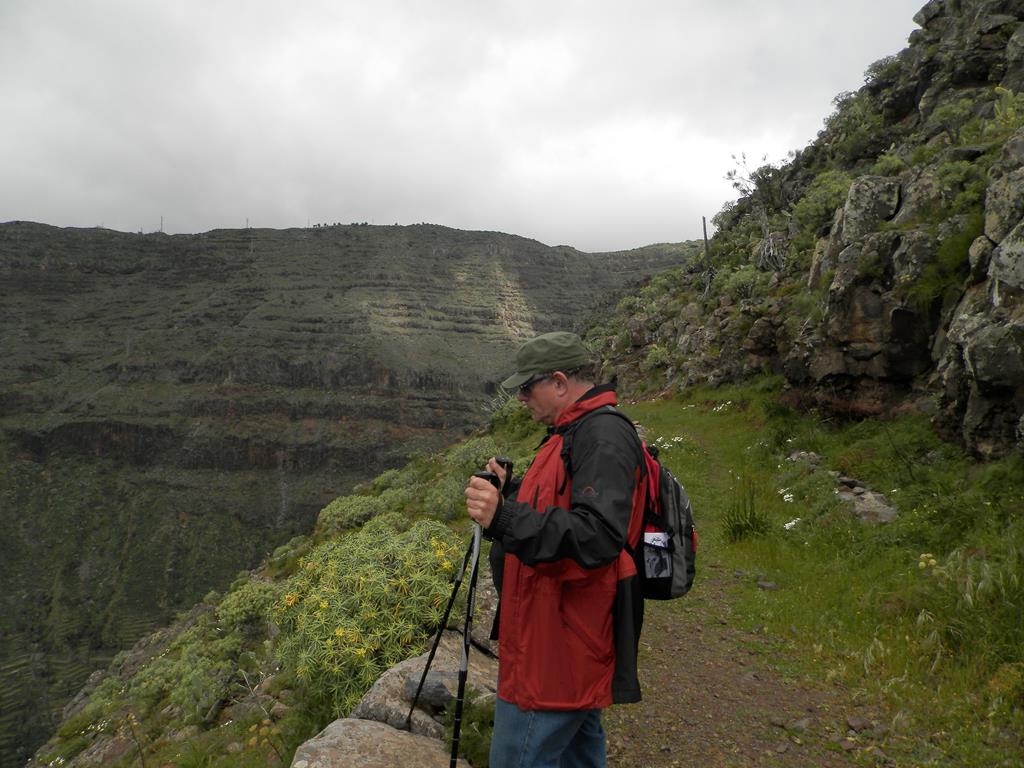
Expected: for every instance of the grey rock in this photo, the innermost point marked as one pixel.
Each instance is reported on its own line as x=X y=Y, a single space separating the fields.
x=1004 y=198
x=979 y=255
x=873 y=507
x=857 y=723
x=994 y=354
x=387 y=700
x=870 y=201
x=915 y=251
x=439 y=689
x=1007 y=264
x=800 y=726
x=353 y=743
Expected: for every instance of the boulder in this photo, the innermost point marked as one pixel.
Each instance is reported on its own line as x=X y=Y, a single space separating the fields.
x=761 y=338
x=389 y=699
x=352 y=743
x=870 y=201
x=922 y=194
x=1014 y=78
x=1004 y=198
x=994 y=355
x=1006 y=267
x=979 y=255
x=915 y=251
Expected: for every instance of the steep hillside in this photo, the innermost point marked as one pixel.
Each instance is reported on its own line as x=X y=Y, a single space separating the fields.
x=813 y=637
x=174 y=407
x=881 y=267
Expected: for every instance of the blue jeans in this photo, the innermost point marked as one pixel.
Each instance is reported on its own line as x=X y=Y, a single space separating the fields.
x=546 y=739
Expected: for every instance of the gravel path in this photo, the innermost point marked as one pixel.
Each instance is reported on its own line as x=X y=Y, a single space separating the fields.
x=713 y=700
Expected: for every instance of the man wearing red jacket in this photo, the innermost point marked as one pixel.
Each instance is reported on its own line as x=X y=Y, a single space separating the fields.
x=570 y=609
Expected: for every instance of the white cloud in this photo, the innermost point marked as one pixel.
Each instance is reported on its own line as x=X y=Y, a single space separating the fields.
x=602 y=125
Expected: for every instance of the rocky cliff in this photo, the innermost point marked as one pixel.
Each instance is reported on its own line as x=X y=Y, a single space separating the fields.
x=174 y=407
x=881 y=267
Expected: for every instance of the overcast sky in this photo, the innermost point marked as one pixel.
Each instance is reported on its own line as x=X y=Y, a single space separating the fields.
x=597 y=124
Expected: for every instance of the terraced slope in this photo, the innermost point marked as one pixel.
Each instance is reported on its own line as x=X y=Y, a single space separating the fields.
x=174 y=407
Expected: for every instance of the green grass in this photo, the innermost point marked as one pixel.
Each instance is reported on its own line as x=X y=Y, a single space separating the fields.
x=924 y=616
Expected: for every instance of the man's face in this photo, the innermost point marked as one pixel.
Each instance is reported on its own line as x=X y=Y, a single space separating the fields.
x=544 y=398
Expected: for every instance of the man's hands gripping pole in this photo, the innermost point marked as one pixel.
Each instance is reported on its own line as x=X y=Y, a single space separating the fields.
x=483 y=497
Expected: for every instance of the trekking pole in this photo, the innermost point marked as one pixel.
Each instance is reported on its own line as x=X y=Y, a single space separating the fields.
x=440 y=631
x=474 y=544
x=468 y=626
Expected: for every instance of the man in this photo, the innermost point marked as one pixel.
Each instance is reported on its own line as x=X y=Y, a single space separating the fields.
x=570 y=610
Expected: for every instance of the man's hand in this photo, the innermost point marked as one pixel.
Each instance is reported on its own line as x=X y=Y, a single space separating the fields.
x=481 y=500
x=498 y=469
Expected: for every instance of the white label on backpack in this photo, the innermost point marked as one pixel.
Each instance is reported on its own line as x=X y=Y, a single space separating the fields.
x=656 y=539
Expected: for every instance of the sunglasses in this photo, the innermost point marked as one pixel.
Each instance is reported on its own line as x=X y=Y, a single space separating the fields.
x=526 y=386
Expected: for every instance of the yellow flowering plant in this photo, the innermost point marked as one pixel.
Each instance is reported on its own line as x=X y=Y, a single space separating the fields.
x=361 y=603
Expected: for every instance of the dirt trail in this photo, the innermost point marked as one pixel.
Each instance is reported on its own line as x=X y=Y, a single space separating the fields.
x=711 y=698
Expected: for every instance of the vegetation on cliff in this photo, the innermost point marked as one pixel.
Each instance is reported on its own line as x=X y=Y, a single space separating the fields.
x=921 y=615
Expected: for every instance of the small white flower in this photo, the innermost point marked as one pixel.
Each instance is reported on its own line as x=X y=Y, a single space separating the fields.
x=791 y=524
x=788 y=498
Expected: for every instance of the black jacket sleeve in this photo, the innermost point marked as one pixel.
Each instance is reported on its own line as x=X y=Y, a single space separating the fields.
x=605 y=458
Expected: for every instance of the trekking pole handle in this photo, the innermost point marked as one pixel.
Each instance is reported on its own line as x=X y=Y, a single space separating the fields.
x=490 y=477
x=505 y=463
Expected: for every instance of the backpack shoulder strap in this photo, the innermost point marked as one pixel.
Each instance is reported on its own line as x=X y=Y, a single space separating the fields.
x=568 y=432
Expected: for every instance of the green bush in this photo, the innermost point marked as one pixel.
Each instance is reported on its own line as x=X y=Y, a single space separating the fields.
x=193 y=674
x=249 y=605
x=347 y=512
x=888 y=165
x=961 y=186
x=814 y=211
x=855 y=128
x=744 y=282
x=362 y=603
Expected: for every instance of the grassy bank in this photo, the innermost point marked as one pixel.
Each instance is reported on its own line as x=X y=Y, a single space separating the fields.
x=923 y=616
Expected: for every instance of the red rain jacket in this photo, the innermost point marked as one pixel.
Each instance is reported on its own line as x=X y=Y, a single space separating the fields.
x=570 y=610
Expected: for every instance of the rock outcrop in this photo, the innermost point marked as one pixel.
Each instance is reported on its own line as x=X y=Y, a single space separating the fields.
x=913 y=293
x=352 y=743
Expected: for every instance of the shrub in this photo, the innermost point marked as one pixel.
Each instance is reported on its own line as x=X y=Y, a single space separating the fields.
x=744 y=282
x=361 y=604
x=248 y=605
x=814 y=211
x=348 y=512
x=855 y=129
x=888 y=164
x=951 y=117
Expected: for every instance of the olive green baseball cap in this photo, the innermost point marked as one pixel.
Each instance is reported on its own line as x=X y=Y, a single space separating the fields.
x=549 y=352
